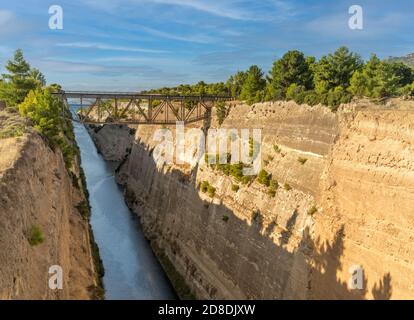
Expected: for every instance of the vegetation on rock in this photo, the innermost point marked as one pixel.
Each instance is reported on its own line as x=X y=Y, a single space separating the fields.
x=35 y=236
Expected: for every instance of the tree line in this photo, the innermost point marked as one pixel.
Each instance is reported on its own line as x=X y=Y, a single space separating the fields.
x=333 y=79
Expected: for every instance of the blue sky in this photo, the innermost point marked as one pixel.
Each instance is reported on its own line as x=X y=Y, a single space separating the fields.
x=140 y=44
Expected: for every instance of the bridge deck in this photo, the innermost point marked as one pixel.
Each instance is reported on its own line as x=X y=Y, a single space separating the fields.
x=141 y=108
x=134 y=95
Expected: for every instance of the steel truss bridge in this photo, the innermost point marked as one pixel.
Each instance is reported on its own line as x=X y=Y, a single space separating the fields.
x=136 y=108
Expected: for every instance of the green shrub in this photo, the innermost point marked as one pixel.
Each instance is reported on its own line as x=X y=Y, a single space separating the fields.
x=287 y=187
x=264 y=177
x=211 y=191
x=271 y=192
x=75 y=180
x=12 y=131
x=225 y=218
x=246 y=179
x=274 y=184
x=207 y=188
x=35 y=236
x=45 y=111
x=204 y=186
x=235 y=187
x=236 y=171
x=302 y=161
x=277 y=148
x=83 y=208
x=312 y=210
x=221 y=111
x=251 y=147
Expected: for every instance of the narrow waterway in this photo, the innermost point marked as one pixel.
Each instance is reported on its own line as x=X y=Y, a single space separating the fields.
x=131 y=269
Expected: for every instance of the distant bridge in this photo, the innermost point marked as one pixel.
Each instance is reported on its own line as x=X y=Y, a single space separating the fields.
x=136 y=108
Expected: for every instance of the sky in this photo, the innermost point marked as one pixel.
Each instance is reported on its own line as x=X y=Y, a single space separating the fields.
x=132 y=45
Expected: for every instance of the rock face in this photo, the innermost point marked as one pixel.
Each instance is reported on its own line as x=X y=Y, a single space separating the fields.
x=113 y=141
x=36 y=192
x=345 y=202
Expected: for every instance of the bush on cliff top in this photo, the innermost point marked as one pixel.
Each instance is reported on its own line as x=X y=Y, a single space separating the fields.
x=45 y=111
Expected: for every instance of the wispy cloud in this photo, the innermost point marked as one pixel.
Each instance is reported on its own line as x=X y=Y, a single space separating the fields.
x=230 y=9
x=217 y=8
x=101 y=46
x=197 y=38
x=68 y=66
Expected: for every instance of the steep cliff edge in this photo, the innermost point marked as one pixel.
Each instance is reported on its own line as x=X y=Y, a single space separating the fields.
x=42 y=223
x=345 y=199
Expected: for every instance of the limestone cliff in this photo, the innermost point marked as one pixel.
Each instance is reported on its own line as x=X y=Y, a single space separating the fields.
x=38 y=196
x=345 y=198
x=113 y=141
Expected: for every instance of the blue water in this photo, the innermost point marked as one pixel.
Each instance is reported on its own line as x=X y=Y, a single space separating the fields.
x=131 y=269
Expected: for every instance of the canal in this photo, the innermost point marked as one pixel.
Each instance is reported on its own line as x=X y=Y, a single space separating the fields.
x=131 y=269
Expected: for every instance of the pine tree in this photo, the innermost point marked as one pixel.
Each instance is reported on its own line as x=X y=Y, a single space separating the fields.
x=336 y=70
x=253 y=88
x=20 y=80
x=292 y=68
x=235 y=83
x=381 y=78
x=36 y=75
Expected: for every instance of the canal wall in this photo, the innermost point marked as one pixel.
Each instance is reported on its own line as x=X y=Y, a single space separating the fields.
x=344 y=203
x=43 y=223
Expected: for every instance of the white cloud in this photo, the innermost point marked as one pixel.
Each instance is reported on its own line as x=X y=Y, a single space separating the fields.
x=101 y=46
x=5 y=18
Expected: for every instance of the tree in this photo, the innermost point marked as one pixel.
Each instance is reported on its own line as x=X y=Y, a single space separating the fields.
x=36 y=75
x=200 y=88
x=253 y=88
x=235 y=83
x=365 y=82
x=297 y=93
x=395 y=75
x=381 y=78
x=292 y=68
x=21 y=79
x=336 y=70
